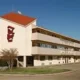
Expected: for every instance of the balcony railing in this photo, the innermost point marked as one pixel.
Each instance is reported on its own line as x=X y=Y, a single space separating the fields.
x=43 y=37
x=49 y=51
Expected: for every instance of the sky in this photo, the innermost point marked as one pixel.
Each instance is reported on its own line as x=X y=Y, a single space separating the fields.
x=62 y=16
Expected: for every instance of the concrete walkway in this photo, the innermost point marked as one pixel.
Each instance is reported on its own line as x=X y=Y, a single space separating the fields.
x=72 y=75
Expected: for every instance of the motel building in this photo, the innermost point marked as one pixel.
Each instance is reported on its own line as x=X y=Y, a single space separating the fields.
x=36 y=45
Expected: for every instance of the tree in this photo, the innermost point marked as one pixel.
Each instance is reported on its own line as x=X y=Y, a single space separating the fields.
x=9 y=56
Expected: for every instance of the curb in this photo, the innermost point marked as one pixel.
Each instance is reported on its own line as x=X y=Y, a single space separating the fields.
x=35 y=74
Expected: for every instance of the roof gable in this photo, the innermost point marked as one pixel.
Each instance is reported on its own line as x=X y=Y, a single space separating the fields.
x=18 y=18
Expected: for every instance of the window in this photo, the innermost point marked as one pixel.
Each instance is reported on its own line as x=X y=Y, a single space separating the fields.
x=50 y=57
x=69 y=57
x=42 y=45
x=49 y=46
x=33 y=30
x=76 y=49
x=20 y=58
x=54 y=46
x=38 y=31
x=60 y=47
x=42 y=58
x=56 y=57
x=66 y=48
x=38 y=44
x=33 y=44
x=36 y=57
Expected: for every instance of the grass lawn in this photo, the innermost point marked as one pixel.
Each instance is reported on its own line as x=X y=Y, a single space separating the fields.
x=39 y=70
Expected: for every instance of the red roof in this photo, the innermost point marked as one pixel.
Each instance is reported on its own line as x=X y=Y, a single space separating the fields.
x=18 y=18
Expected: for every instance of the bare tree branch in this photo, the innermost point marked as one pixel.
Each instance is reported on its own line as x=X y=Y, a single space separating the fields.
x=9 y=56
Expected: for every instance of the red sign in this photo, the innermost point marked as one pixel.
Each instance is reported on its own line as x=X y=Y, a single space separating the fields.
x=10 y=34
